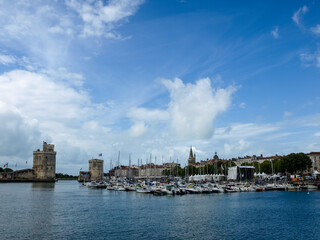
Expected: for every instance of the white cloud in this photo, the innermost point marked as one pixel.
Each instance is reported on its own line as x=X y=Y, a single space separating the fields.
x=191 y=110
x=148 y=115
x=309 y=121
x=18 y=134
x=40 y=97
x=36 y=107
x=316 y=29
x=45 y=31
x=275 y=32
x=310 y=59
x=100 y=19
x=241 y=131
x=237 y=147
x=138 y=129
x=297 y=16
x=62 y=74
x=317 y=134
x=7 y=59
x=49 y=109
x=193 y=107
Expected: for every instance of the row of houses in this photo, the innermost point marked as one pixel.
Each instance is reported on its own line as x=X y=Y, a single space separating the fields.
x=149 y=170
x=314 y=156
x=145 y=171
x=152 y=170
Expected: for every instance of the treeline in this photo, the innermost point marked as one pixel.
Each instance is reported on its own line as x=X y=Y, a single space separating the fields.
x=5 y=169
x=292 y=163
x=219 y=167
x=65 y=176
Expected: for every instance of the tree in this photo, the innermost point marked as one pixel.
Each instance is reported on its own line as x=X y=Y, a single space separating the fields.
x=295 y=162
x=7 y=170
x=277 y=166
x=266 y=167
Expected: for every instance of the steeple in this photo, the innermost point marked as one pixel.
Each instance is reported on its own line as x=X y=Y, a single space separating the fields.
x=192 y=157
x=191 y=154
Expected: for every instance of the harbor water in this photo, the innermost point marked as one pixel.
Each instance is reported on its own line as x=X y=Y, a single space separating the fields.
x=67 y=210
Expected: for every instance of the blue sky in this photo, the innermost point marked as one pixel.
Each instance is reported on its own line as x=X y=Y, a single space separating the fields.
x=142 y=77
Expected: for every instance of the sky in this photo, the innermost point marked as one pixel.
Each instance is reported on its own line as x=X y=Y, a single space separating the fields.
x=156 y=77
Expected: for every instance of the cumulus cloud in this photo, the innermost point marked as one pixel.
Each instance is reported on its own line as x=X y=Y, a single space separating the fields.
x=18 y=134
x=100 y=18
x=193 y=107
x=39 y=96
x=48 y=109
x=297 y=16
x=275 y=32
x=191 y=110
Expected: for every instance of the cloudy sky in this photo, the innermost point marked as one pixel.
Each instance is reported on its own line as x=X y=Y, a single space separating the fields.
x=154 y=77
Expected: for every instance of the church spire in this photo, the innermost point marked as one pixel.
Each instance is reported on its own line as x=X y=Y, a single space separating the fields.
x=191 y=154
x=192 y=157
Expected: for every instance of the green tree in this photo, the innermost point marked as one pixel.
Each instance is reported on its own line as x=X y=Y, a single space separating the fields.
x=277 y=166
x=295 y=162
x=256 y=166
x=266 y=167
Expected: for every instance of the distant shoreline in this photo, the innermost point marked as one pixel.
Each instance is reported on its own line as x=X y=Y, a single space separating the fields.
x=25 y=181
x=58 y=179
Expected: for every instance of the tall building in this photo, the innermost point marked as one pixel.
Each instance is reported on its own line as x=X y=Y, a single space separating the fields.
x=44 y=162
x=315 y=159
x=96 y=169
x=192 y=157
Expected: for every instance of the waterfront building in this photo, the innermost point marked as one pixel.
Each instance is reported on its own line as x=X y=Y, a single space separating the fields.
x=151 y=170
x=84 y=176
x=250 y=159
x=168 y=166
x=44 y=162
x=315 y=159
x=96 y=169
x=144 y=171
x=43 y=170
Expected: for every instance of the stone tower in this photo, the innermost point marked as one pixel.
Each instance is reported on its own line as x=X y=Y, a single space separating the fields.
x=192 y=158
x=96 y=169
x=44 y=162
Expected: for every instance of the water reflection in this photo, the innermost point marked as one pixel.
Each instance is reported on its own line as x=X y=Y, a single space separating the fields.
x=43 y=185
x=41 y=209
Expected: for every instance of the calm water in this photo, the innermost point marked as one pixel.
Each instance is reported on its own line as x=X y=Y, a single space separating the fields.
x=66 y=210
